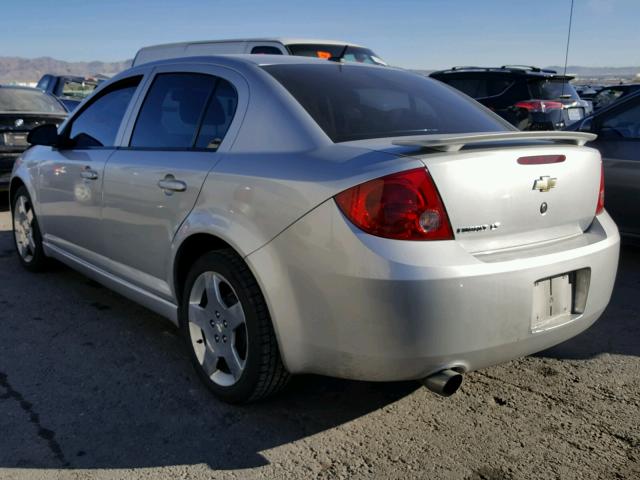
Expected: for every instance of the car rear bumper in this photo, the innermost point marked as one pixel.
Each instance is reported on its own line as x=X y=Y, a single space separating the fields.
x=7 y=159
x=351 y=305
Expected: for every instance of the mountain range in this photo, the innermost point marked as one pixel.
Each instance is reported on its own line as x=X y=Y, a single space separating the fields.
x=18 y=70
x=26 y=70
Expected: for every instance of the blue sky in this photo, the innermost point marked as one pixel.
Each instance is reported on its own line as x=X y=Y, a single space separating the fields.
x=407 y=33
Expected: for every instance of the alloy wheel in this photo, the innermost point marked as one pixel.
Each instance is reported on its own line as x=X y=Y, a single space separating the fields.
x=23 y=228
x=217 y=328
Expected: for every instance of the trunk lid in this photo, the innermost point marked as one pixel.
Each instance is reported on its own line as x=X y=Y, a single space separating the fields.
x=496 y=202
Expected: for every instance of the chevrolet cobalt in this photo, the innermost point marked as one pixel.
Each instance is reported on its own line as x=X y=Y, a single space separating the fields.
x=293 y=215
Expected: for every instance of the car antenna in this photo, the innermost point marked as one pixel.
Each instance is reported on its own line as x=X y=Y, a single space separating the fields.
x=566 y=53
x=339 y=58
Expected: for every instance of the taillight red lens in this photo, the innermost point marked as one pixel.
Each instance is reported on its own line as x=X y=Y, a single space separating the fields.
x=539 y=105
x=402 y=206
x=600 y=205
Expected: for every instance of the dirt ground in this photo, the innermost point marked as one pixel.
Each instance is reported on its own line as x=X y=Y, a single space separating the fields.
x=93 y=386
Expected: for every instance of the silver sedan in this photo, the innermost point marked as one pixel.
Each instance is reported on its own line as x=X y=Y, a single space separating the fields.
x=294 y=215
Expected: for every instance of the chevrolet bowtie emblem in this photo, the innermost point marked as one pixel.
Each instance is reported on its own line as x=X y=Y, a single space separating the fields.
x=544 y=184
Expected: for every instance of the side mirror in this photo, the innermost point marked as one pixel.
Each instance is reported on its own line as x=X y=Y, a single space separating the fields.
x=46 y=135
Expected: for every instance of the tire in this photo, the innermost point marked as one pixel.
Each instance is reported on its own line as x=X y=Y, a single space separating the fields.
x=225 y=322
x=26 y=232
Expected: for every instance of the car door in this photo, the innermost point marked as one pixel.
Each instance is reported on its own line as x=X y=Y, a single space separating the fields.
x=618 y=140
x=181 y=130
x=70 y=179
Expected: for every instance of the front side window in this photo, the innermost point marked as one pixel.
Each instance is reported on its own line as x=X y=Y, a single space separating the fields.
x=623 y=124
x=350 y=102
x=97 y=125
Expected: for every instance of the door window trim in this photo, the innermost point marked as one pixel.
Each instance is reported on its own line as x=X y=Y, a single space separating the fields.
x=237 y=81
x=99 y=93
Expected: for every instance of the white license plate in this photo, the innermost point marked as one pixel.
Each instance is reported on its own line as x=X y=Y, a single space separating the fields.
x=552 y=302
x=15 y=139
x=575 y=113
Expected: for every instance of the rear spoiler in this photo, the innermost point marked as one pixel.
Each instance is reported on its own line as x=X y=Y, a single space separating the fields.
x=455 y=141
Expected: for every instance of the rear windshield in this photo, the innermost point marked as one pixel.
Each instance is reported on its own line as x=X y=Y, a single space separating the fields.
x=77 y=90
x=336 y=52
x=23 y=100
x=350 y=102
x=552 y=89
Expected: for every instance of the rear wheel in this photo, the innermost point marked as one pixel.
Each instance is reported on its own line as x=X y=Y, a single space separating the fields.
x=26 y=232
x=228 y=331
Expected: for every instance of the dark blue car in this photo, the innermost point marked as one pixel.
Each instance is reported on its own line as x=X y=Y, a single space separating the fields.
x=70 y=90
x=618 y=130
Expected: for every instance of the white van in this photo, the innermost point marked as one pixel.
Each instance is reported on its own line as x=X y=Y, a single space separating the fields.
x=328 y=49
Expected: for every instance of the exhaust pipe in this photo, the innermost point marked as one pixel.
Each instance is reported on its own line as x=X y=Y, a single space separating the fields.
x=444 y=383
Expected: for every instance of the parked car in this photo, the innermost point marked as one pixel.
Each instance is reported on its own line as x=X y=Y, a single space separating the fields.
x=21 y=109
x=70 y=90
x=618 y=130
x=325 y=49
x=587 y=92
x=528 y=97
x=294 y=215
x=608 y=95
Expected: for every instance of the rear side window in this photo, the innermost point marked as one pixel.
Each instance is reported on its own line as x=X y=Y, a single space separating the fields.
x=552 y=89
x=266 y=50
x=350 y=102
x=218 y=116
x=479 y=87
x=183 y=110
x=97 y=125
x=172 y=110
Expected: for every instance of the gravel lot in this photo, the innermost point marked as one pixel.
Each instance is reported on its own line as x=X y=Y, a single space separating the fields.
x=94 y=386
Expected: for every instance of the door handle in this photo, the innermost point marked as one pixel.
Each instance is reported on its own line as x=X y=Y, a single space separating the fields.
x=89 y=174
x=169 y=184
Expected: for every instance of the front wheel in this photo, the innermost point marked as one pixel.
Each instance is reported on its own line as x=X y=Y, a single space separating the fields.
x=26 y=232
x=228 y=331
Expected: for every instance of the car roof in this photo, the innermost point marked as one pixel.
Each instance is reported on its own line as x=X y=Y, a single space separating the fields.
x=282 y=40
x=518 y=70
x=236 y=59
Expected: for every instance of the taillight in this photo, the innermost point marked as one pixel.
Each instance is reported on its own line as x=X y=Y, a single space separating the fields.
x=402 y=206
x=539 y=105
x=600 y=205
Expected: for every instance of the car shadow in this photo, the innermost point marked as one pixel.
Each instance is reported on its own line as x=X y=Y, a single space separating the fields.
x=91 y=380
x=4 y=202
x=618 y=330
